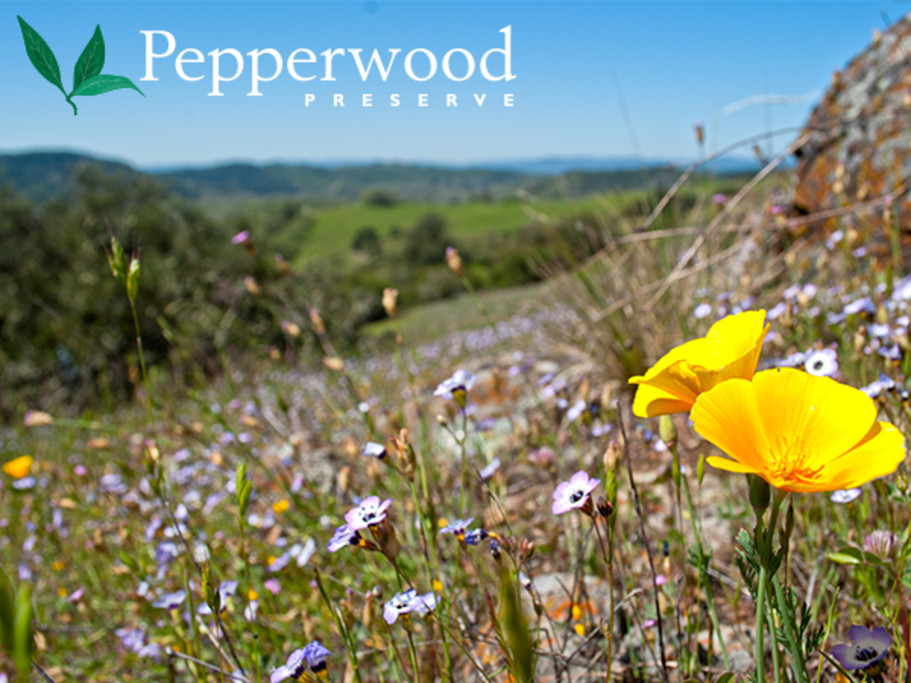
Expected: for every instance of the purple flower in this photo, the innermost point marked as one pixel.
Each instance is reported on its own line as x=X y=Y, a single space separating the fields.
x=457 y=528
x=294 y=668
x=487 y=472
x=408 y=602
x=241 y=238
x=370 y=511
x=703 y=310
x=226 y=590
x=456 y=387
x=866 y=647
x=719 y=199
x=573 y=493
x=374 y=450
x=316 y=654
x=844 y=496
x=475 y=536
x=343 y=536
x=822 y=363
x=576 y=409
x=399 y=604
x=877 y=386
x=171 y=600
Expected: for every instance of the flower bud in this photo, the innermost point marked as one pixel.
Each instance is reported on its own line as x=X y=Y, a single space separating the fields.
x=760 y=492
x=390 y=301
x=252 y=286
x=317 y=320
x=454 y=261
x=667 y=431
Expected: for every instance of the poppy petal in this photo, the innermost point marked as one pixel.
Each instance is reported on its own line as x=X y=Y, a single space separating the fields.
x=813 y=418
x=879 y=454
x=728 y=417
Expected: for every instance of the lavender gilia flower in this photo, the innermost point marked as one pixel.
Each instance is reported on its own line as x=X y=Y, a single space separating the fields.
x=475 y=536
x=573 y=493
x=294 y=668
x=487 y=472
x=823 y=363
x=399 y=604
x=374 y=450
x=844 y=496
x=370 y=511
x=867 y=647
x=408 y=602
x=316 y=654
x=456 y=387
x=458 y=528
x=343 y=536
x=171 y=600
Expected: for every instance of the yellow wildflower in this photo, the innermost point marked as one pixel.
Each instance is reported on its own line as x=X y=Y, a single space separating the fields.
x=730 y=349
x=798 y=432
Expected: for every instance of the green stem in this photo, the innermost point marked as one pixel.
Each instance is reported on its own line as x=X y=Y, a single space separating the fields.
x=759 y=652
x=776 y=663
x=142 y=358
x=798 y=663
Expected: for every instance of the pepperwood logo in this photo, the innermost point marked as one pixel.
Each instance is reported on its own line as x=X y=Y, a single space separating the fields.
x=87 y=77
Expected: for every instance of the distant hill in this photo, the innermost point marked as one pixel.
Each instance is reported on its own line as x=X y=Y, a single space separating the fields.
x=43 y=175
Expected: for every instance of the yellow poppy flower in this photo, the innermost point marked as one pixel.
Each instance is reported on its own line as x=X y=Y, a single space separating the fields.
x=799 y=432
x=729 y=349
x=18 y=467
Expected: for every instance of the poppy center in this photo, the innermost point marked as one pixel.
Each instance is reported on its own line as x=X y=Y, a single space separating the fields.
x=787 y=467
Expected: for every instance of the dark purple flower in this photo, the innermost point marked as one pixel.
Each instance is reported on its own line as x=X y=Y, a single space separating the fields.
x=866 y=648
x=475 y=536
x=370 y=511
x=573 y=493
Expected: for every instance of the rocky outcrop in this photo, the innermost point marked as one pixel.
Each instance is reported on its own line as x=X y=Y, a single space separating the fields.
x=858 y=155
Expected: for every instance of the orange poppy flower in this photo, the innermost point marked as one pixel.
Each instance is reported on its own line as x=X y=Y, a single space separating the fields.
x=799 y=432
x=18 y=467
x=729 y=349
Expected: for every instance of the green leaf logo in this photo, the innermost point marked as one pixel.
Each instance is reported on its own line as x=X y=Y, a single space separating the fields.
x=87 y=77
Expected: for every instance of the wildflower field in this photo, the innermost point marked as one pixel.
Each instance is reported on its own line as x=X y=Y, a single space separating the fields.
x=670 y=447
x=684 y=462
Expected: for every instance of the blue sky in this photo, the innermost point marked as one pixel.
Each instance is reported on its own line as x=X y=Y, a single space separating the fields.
x=592 y=78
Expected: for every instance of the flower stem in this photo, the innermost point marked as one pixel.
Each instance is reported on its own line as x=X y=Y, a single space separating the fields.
x=759 y=652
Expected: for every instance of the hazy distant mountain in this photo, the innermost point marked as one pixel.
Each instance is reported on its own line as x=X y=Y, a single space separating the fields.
x=42 y=175
x=560 y=165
